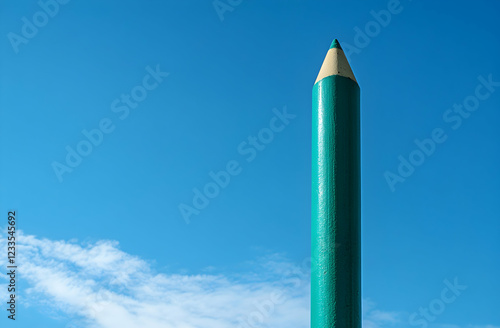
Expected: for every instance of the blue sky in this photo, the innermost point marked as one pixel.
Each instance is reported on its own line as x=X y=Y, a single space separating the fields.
x=205 y=77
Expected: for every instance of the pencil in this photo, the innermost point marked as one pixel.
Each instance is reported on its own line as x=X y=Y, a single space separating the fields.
x=336 y=195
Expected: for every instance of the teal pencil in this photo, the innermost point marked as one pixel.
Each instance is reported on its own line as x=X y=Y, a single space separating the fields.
x=336 y=195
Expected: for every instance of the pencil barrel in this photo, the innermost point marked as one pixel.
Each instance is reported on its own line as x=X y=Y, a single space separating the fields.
x=336 y=204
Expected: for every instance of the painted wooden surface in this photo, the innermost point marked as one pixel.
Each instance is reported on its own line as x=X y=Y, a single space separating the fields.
x=336 y=200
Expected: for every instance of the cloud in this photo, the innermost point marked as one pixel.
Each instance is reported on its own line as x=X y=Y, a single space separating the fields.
x=375 y=318
x=98 y=285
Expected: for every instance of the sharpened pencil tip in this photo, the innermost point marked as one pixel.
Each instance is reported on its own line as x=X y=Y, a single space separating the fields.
x=335 y=44
x=335 y=63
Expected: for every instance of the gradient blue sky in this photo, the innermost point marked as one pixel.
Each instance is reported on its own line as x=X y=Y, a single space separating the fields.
x=225 y=78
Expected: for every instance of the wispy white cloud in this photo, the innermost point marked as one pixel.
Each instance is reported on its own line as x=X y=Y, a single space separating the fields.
x=375 y=318
x=99 y=285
